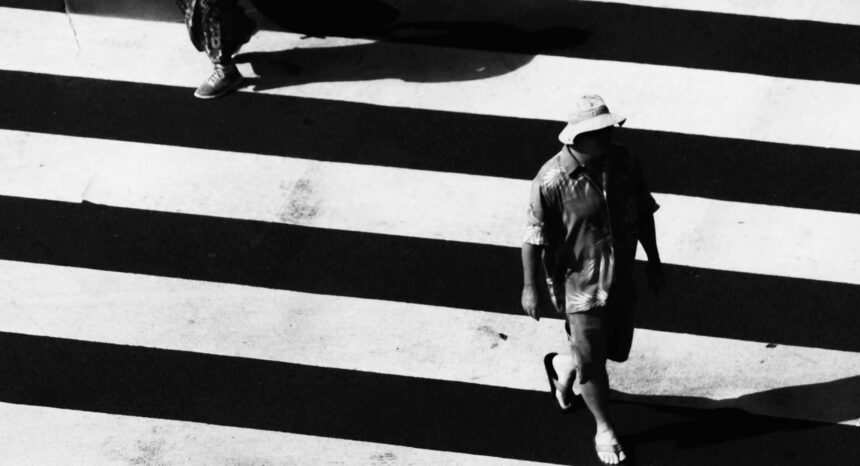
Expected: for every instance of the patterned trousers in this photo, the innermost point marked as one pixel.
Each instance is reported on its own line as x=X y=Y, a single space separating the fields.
x=217 y=27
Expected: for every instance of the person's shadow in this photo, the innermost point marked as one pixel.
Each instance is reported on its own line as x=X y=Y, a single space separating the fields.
x=452 y=57
x=783 y=409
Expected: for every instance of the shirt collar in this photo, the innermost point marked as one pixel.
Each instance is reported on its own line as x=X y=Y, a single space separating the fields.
x=567 y=162
x=570 y=164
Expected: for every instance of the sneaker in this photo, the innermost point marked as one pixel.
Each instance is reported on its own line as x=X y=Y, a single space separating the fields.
x=222 y=80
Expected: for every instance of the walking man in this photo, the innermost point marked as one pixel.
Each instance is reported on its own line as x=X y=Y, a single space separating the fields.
x=589 y=208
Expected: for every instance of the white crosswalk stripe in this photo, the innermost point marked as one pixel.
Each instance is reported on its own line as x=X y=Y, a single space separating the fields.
x=293 y=327
x=76 y=438
x=661 y=98
x=778 y=240
x=67 y=302
x=829 y=11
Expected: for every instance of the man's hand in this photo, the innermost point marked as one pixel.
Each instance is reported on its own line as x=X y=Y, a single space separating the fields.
x=530 y=301
x=656 y=277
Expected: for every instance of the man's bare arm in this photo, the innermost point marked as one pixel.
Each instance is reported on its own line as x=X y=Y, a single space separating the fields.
x=531 y=261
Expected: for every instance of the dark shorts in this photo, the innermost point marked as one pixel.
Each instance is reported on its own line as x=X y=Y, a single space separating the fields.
x=603 y=333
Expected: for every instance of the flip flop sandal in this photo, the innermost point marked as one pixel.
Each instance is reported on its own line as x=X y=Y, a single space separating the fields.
x=615 y=449
x=552 y=377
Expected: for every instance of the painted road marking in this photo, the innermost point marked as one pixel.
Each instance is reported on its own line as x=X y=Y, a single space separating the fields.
x=409 y=339
x=661 y=98
x=736 y=170
x=697 y=232
x=827 y=11
x=86 y=438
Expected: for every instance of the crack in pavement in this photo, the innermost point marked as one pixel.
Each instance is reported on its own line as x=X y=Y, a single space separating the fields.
x=71 y=24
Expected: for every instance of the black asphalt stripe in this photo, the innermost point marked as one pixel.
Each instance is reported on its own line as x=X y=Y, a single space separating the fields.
x=422 y=413
x=748 y=171
x=628 y=33
x=727 y=169
x=434 y=272
x=155 y=10
x=591 y=30
x=42 y=5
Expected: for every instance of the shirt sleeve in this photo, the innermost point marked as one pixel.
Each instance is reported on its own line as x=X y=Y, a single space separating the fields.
x=536 y=233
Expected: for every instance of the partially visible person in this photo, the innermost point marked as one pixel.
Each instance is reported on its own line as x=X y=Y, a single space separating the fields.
x=589 y=208
x=219 y=28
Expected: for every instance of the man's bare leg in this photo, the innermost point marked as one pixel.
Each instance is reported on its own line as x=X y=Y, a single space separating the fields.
x=565 y=367
x=590 y=357
x=595 y=393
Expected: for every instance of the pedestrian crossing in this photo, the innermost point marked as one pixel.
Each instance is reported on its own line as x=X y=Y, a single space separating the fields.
x=405 y=202
x=145 y=441
x=472 y=81
x=833 y=11
x=295 y=327
x=208 y=274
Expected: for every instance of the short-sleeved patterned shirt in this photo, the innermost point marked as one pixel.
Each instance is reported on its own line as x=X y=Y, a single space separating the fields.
x=588 y=233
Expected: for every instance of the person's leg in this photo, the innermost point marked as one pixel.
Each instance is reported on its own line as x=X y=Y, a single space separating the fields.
x=589 y=349
x=191 y=11
x=565 y=366
x=225 y=29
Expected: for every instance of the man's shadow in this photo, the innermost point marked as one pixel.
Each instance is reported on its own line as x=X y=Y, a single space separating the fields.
x=452 y=56
x=350 y=18
x=783 y=409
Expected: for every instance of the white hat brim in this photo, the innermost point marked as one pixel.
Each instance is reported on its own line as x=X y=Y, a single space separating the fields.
x=592 y=124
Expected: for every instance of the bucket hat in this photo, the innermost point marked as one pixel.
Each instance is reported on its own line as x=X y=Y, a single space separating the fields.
x=591 y=114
